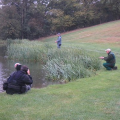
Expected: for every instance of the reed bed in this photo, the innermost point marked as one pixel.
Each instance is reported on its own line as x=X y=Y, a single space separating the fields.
x=59 y=64
x=2 y=42
x=25 y=50
x=71 y=64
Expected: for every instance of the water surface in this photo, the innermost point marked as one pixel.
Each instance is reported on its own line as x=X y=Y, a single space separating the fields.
x=37 y=73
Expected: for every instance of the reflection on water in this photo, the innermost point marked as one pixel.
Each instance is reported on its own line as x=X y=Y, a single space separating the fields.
x=37 y=73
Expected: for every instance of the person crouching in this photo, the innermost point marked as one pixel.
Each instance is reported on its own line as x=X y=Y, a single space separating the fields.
x=20 y=81
x=110 y=60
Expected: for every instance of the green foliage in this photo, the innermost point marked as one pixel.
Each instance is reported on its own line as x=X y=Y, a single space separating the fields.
x=10 y=41
x=26 y=51
x=57 y=19
x=31 y=19
x=68 y=22
x=71 y=64
x=35 y=21
x=10 y=24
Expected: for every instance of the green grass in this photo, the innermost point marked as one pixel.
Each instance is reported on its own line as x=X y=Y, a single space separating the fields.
x=86 y=99
x=93 y=98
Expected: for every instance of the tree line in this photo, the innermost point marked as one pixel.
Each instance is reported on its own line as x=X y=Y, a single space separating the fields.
x=32 y=19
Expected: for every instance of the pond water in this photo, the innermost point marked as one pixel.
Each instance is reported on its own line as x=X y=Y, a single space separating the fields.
x=37 y=73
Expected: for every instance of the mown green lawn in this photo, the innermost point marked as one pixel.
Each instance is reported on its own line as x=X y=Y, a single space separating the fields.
x=93 y=98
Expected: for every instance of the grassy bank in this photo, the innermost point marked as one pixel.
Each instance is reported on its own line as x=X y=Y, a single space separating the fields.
x=93 y=98
x=86 y=99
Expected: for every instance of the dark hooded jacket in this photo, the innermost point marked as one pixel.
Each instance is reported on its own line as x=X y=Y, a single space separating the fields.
x=17 y=82
x=110 y=58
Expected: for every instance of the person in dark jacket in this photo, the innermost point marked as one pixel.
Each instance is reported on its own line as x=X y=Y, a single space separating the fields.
x=17 y=68
x=59 y=40
x=20 y=81
x=110 y=60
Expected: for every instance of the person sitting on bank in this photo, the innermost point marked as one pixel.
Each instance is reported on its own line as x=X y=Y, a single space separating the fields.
x=19 y=82
x=110 y=60
x=17 y=67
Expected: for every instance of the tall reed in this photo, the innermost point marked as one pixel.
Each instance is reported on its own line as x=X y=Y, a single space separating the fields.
x=70 y=64
x=65 y=63
x=25 y=50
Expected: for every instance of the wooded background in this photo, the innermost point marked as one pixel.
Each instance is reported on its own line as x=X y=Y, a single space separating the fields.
x=32 y=19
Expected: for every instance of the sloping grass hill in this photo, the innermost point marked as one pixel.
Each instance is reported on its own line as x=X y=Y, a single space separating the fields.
x=93 y=98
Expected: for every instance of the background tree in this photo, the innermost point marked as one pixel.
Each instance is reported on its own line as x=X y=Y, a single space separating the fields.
x=32 y=19
x=9 y=22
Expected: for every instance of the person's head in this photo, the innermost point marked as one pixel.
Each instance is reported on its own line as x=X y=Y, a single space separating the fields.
x=24 y=68
x=108 y=50
x=58 y=34
x=17 y=66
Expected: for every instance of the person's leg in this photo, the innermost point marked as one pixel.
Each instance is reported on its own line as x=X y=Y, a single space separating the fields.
x=107 y=66
x=58 y=46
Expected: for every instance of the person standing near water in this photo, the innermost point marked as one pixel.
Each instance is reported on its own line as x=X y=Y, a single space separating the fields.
x=59 y=40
